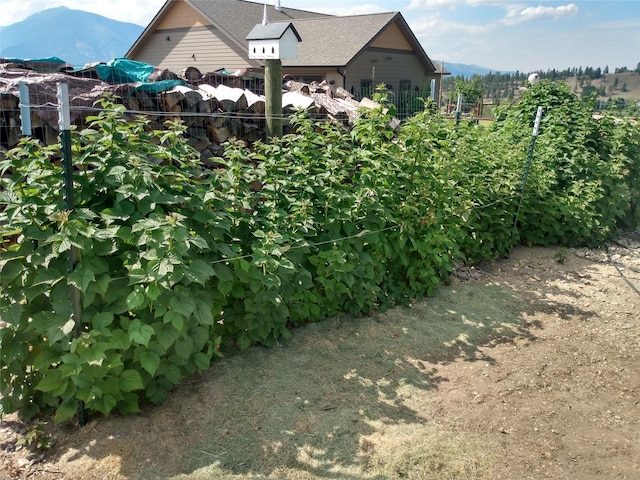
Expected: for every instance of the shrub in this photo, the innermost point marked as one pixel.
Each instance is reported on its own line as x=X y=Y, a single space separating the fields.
x=176 y=263
x=581 y=184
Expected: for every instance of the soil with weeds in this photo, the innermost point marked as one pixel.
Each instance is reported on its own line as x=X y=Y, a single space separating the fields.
x=526 y=368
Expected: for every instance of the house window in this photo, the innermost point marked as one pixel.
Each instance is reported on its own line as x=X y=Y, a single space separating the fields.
x=405 y=85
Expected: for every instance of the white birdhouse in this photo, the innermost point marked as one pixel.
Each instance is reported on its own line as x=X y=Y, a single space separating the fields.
x=273 y=41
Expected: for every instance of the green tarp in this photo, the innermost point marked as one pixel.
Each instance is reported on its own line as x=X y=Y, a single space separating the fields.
x=122 y=70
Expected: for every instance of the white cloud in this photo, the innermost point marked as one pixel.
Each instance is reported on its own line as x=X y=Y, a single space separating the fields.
x=435 y=26
x=516 y=16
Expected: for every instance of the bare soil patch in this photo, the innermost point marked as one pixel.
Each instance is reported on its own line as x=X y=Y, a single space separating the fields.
x=523 y=369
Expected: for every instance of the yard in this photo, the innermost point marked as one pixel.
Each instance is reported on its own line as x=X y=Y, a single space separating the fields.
x=522 y=369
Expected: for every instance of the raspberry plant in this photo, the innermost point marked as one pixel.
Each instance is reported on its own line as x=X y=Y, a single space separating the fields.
x=178 y=263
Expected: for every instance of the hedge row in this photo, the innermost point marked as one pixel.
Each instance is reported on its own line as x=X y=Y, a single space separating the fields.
x=177 y=263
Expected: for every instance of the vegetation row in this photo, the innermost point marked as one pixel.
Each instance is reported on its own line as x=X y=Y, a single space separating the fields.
x=177 y=264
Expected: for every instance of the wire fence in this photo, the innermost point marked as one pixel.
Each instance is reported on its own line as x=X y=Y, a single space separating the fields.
x=214 y=110
x=212 y=114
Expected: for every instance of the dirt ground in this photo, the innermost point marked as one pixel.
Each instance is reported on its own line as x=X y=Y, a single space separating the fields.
x=539 y=378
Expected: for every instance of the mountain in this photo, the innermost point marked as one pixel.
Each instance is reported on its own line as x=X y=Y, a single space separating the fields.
x=75 y=36
x=467 y=71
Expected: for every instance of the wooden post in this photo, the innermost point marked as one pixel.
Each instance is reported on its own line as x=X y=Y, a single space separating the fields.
x=273 y=96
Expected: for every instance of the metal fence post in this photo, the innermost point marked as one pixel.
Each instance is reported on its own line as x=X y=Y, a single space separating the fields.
x=458 y=109
x=25 y=109
x=534 y=135
x=64 y=122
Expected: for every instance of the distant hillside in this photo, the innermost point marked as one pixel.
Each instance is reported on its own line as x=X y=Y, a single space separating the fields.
x=614 y=85
x=75 y=36
x=464 y=70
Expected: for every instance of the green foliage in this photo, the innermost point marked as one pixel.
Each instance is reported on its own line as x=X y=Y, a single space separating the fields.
x=582 y=187
x=143 y=228
x=560 y=255
x=177 y=263
x=471 y=89
x=36 y=437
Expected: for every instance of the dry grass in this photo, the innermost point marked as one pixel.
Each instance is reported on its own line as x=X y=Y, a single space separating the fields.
x=345 y=399
x=630 y=79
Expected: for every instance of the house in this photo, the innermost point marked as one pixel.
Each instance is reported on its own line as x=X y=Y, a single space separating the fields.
x=354 y=52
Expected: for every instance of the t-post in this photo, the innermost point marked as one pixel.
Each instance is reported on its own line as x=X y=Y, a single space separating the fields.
x=458 y=109
x=534 y=135
x=64 y=122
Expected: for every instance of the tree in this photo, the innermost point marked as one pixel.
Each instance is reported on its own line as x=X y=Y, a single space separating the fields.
x=471 y=89
x=588 y=92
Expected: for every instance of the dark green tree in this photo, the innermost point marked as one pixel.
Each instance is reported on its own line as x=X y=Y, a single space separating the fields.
x=471 y=90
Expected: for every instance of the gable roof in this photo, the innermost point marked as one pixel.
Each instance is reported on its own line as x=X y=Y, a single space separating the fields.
x=271 y=31
x=327 y=40
x=336 y=41
x=234 y=18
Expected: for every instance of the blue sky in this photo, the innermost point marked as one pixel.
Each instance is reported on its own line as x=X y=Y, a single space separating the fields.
x=497 y=34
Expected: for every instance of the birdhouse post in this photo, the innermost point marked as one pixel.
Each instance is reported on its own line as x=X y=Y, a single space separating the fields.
x=273 y=42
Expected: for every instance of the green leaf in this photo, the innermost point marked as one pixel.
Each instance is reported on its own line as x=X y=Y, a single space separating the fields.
x=81 y=277
x=226 y=250
x=11 y=269
x=120 y=340
x=45 y=359
x=183 y=302
x=11 y=313
x=101 y=284
x=47 y=277
x=129 y=405
x=153 y=292
x=52 y=382
x=150 y=361
x=83 y=380
x=171 y=373
x=244 y=341
x=166 y=334
x=29 y=410
x=201 y=361
x=130 y=380
x=136 y=298
x=140 y=333
x=184 y=347
x=223 y=272
x=225 y=287
x=66 y=410
x=199 y=272
x=105 y=404
x=203 y=314
x=156 y=393
x=102 y=320
x=176 y=319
